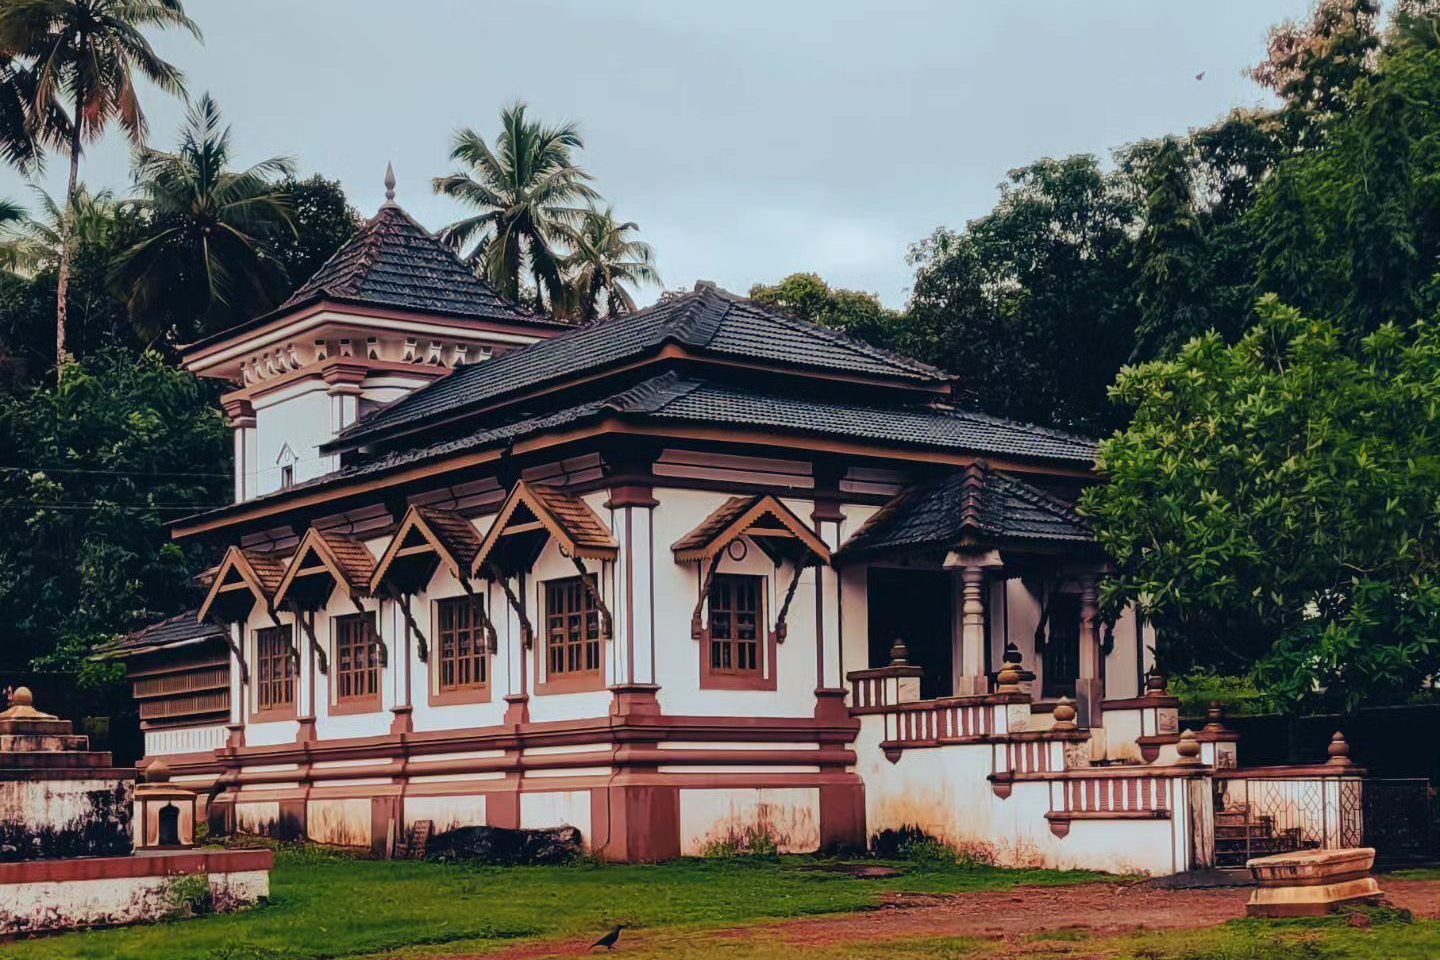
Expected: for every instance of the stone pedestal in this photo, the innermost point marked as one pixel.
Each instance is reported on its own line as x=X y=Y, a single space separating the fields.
x=58 y=798
x=1311 y=883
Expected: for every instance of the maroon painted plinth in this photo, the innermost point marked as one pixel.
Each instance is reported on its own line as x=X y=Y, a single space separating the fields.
x=517 y=708
x=830 y=703
x=634 y=699
x=402 y=722
x=635 y=823
x=306 y=731
x=146 y=863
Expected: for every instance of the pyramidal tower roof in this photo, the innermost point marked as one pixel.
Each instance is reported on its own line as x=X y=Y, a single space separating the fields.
x=392 y=261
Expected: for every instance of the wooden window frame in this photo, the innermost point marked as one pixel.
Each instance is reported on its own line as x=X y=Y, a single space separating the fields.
x=763 y=676
x=570 y=681
x=266 y=660
x=440 y=694
x=368 y=703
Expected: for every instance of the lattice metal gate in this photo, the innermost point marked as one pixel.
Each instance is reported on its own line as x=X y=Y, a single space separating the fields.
x=1400 y=819
x=1260 y=816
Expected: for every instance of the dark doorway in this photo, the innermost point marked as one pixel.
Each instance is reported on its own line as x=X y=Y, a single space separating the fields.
x=169 y=825
x=1062 y=648
x=915 y=606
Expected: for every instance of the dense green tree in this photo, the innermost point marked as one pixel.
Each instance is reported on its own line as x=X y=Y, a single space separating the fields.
x=604 y=259
x=1171 y=260
x=97 y=319
x=856 y=312
x=1274 y=503
x=90 y=471
x=1352 y=227
x=1315 y=65
x=525 y=189
x=86 y=55
x=323 y=220
x=207 y=260
x=1031 y=305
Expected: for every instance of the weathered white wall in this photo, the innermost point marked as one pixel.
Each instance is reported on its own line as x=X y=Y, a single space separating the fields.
x=561 y=808
x=341 y=822
x=446 y=813
x=69 y=904
x=299 y=415
x=945 y=792
x=789 y=817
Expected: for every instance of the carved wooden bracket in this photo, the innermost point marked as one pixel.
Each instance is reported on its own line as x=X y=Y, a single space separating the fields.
x=492 y=639
x=294 y=643
x=607 y=622
x=235 y=649
x=307 y=624
x=698 y=627
x=372 y=631
x=422 y=650
x=780 y=629
x=527 y=633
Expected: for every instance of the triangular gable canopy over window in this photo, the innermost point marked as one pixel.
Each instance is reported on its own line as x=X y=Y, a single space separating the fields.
x=323 y=563
x=531 y=515
x=243 y=579
x=426 y=539
x=529 y=518
x=771 y=526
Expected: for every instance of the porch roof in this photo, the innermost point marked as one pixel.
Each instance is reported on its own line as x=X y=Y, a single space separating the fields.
x=975 y=507
x=180 y=630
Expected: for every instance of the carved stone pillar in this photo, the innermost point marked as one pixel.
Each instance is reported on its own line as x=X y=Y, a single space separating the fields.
x=1090 y=687
x=970 y=678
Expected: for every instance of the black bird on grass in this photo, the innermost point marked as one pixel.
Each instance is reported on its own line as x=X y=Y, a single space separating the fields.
x=608 y=941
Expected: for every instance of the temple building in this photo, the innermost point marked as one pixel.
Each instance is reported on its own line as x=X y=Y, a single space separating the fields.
x=676 y=578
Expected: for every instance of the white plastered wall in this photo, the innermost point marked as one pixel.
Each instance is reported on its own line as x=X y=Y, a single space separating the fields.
x=945 y=792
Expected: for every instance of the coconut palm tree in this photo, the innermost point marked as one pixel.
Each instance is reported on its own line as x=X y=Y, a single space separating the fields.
x=12 y=241
x=604 y=258
x=207 y=259
x=86 y=55
x=35 y=243
x=24 y=133
x=525 y=190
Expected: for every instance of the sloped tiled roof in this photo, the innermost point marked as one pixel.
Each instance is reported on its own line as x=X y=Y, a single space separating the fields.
x=724 y=515
x=706 y=320
x=738 y=516
x=672 y=397
x=356 y=562
x=575 y=515
x=170 y=632
x=456 y=534
x=393 y=261
x=269 y=570
x=974 y=505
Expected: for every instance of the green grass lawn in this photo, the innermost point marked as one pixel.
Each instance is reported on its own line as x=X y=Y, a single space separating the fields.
x=326 y=906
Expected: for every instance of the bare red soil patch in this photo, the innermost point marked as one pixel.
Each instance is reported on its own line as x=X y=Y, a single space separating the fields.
x=1098 y=909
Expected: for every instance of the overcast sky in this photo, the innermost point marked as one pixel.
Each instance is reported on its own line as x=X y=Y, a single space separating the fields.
x=748 y=139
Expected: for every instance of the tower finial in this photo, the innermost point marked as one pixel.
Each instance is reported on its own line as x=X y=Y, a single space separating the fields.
x=389 y=183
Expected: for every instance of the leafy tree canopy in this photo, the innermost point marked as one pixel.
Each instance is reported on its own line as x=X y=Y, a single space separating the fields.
x=90 y=471
x=1031 y=305
x=1275 y=502
x=856 y=312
